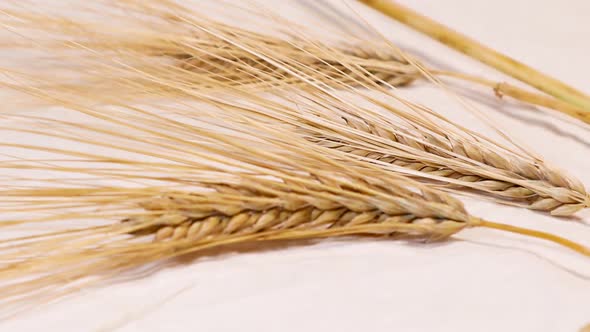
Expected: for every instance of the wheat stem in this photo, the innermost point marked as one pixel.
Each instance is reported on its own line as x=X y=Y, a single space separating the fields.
x=484 y=54
x=537 y=234
x=505 y=89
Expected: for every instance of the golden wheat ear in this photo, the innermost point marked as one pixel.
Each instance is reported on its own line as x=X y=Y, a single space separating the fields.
x=411 y=140
x=463 y=166
x=177 y=223
x=197 y=52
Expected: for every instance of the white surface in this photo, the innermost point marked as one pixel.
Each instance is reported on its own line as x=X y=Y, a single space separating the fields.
x=485 y=281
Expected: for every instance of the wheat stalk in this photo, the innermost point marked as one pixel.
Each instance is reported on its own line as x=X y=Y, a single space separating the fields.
x=486 y=55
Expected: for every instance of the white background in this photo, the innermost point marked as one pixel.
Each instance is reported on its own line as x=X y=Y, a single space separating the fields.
x=483 y=281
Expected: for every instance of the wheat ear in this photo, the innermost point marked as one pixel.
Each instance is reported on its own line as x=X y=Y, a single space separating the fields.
x=177 y=217
x=538 y=188
x=187 y=48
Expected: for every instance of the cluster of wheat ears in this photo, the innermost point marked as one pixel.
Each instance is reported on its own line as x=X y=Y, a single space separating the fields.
x=166 y=131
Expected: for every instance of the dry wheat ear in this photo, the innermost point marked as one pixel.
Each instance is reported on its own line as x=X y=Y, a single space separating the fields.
x=159 y=41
